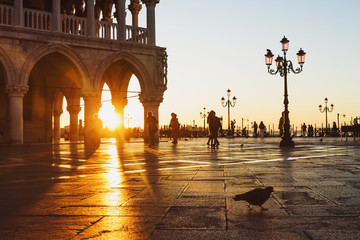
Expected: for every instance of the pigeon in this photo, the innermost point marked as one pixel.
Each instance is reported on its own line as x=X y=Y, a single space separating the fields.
x=256 y=196
x=321 y=140
x=241 y=145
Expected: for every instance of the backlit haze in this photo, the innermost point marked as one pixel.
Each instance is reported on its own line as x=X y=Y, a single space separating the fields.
x=213 y=46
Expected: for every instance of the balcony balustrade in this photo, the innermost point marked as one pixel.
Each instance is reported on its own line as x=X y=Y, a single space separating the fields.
x=6 y=14
x=39 y=20
x=42 y=21
x=73 y=25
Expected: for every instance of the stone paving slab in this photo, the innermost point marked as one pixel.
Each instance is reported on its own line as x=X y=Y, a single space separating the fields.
x=184 y=191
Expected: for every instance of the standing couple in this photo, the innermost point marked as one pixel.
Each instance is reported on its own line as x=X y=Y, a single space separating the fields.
x=214 y=126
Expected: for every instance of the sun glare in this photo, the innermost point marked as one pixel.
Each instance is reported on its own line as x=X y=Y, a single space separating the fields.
x=134 y=111
x=107 y=112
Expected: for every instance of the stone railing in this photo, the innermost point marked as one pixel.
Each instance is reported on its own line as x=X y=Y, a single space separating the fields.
x=39 y=20
x=106 y=30
x=42 y=20
x=73 y=25
x=136 y=34
x=5 y=14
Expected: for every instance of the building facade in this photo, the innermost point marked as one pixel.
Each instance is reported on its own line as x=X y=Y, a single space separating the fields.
x=51 y=49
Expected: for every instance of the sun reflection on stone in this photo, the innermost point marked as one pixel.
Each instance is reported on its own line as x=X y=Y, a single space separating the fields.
x=113 y=177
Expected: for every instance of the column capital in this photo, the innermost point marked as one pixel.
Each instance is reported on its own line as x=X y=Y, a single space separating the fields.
x=57 y=113
x=73 y=109
x=90 y=94
x=119 y=103
x=16 y=91
x=151 y=100
x=135 y=6
x=150 y=2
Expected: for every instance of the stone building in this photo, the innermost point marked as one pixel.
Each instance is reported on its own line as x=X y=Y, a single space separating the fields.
x=51 y=49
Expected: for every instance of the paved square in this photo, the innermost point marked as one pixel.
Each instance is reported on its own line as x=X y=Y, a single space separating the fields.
x=130 y=191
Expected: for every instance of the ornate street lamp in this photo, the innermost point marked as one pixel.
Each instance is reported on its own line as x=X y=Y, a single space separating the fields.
x=326 y=110
x=283 y=67
x=228 y=104
x=204 y=116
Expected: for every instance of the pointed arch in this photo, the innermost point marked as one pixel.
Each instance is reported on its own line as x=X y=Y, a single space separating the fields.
x=138 y=68
x=10 y=74
x=38 y=54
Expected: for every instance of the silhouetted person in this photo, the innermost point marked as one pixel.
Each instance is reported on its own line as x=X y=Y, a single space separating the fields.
x=311 y=131
x=243 y=132
x=356 y=121
x=262 y=129
x=152 y=126
x=303 y=129
x=175 y=126
x=281 y=124
x=210 y=115
x=334 y=128
x=255 y=129
x=215 y=126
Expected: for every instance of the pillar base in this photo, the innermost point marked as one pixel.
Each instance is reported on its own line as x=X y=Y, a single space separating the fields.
x=286 y=142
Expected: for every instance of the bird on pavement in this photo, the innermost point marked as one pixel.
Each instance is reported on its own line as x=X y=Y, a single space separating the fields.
x=321 y=140
x=256 y=196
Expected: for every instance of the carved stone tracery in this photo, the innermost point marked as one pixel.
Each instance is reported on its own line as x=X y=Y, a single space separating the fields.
x=162 y=67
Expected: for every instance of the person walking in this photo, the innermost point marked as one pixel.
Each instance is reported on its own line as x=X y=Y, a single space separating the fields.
x=174 y=125
x=303 y=129
x=255 y=129
x=262 y=129
x=152 y=126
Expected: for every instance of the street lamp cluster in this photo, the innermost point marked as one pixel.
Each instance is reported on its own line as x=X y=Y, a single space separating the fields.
x=204 y=115
x=228 y=104
x=326 y=110
x=283 y=67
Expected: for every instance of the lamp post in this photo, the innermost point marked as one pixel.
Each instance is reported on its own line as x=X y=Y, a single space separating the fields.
x=338 y=120
x=283 y=67
x=242 y=122
x=326 y=110
x=228 y=104
x=204 y=116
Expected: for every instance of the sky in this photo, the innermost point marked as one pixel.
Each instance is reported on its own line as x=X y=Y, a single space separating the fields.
x=216 y=45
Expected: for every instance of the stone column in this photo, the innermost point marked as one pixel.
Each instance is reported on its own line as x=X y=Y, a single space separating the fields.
x=16 y=94
x=150 y=20
x=57 y=131
x=135 y=8
x=91 y=132
x=56 y=16
x=18 y=16
x=121 y=19
x=151 y=102
x=90 y=12
x=74 y=116
x=119 y=109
